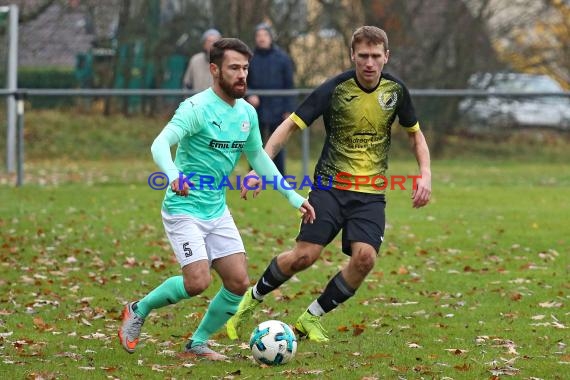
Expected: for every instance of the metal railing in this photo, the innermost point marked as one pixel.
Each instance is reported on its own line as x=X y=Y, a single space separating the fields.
x=102 y=92
x=19 y=96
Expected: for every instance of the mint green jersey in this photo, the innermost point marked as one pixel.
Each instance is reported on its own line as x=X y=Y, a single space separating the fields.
x=212 y=136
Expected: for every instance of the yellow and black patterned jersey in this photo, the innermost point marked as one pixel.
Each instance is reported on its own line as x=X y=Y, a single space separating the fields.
x=358 y=129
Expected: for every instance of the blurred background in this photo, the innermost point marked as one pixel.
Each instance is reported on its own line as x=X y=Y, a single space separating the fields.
x=499 y=47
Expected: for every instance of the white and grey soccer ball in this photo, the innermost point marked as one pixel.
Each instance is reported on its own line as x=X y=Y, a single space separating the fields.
x=272 y=343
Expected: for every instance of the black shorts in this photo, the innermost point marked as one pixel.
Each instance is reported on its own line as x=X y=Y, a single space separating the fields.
x=359 y=215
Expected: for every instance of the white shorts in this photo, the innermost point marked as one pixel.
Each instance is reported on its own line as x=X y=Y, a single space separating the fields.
x=195 y=239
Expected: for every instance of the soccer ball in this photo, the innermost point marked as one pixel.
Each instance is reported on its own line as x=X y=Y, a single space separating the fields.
x=273 y=343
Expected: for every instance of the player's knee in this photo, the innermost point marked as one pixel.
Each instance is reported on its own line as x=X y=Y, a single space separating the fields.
x=237 y=285
x=304 y=259
x=364 y=260
x=196 y=285
x=301 y=262
x=298 y=259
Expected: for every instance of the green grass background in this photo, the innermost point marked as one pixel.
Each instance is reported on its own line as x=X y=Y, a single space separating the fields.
x=474 y=286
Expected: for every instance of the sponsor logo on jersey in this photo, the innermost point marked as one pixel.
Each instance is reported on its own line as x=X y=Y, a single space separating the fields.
x=227 y=144
x=388 y=100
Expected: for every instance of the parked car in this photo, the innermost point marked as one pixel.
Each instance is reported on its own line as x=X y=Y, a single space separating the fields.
x=507 y=112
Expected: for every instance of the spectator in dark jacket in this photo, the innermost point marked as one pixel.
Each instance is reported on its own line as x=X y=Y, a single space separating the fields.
x=270 y=69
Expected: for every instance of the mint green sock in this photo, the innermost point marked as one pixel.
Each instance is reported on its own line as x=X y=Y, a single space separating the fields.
x=169 y=292
x=222 y=307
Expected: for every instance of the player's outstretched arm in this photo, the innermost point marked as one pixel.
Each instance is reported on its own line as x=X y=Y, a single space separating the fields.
x=161 y=155
x=280 y=137
x=274 y=145
x=422 y=193
x=262 y=164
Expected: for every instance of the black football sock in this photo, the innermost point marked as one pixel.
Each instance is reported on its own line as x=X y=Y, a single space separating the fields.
x=336 y=292
x=271 y=279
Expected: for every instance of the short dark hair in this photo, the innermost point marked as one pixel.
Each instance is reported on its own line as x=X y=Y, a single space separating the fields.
x=369 y=34
x=220 y=46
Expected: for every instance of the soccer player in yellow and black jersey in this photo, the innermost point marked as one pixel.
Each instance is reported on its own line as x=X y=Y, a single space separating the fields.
x=358 y=109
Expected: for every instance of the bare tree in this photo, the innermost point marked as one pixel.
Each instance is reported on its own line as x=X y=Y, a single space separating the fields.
x=534 y=37
x=437 y=44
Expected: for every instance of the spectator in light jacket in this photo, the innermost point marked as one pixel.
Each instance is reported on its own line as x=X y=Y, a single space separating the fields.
x=197 y=76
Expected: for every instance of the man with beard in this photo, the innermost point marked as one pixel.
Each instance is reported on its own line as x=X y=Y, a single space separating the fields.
x=211 y=128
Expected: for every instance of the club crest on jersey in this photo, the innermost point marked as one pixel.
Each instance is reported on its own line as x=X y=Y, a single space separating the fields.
x=245 y=126
x=388 y=100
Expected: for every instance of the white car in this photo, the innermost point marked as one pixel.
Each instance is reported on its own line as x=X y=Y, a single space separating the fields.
x=517 y=110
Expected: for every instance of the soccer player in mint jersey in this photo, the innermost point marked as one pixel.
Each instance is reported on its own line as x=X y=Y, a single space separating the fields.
x=358 y=109
x=211 y=129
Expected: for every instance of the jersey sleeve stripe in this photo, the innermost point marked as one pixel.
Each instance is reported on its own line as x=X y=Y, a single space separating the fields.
x=297 y=120
x=414 y=128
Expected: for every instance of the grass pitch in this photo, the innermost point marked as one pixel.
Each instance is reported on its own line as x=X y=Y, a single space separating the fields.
x=473 y=286
x=476 y=285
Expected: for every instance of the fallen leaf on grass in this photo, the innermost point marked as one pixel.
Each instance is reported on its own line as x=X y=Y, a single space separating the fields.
x=550 y=304
x=232 y=375
x=516 y=296
x=379 y=356
x=70 y=260
x=396 y=303
x=463 y=368
x=130 y=262
x=94 y=336
x=558 y=325
x=400 y=369
x=423 y=369
x=403 y=270
x=482 y=339
x=555 y=323
x=357 y=329
x=42 y=376
x=71 y=355
x=504 y=371
x=302 y=371
x=456 y=351
x=170 y=353
x=508 y=344
x=19 y=344
x=41 y=325
x=109 y=369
